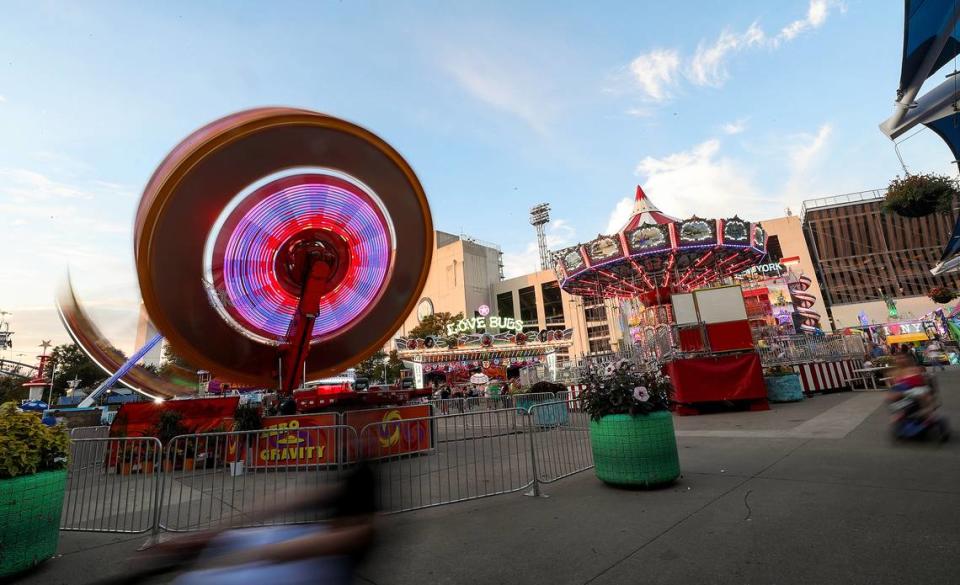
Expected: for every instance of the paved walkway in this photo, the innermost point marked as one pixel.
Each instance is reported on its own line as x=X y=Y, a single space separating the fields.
x=807 y=493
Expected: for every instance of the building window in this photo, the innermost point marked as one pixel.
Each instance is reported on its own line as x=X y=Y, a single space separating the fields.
x=528 y=308
x=599 y=345
x=552 y=303
x=774 y=252
x=505 y=304
x=598 y=331
x=595 y=314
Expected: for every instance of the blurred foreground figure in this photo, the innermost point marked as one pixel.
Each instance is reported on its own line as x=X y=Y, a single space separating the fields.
x=913 y=402
x=324 y=552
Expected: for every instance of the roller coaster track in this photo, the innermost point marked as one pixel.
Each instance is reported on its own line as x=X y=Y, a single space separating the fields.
x=803 y=301
x=17 y=369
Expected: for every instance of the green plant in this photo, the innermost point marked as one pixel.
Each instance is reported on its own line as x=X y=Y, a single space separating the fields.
x=28 y=446
x=920 y=195
x=779 y=371
x=882 y=361
x=247 y=418
x=169 y=426
x=942 y=294
x=621 y=388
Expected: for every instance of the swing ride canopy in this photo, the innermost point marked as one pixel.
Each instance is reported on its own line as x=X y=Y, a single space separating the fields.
x=654 y=255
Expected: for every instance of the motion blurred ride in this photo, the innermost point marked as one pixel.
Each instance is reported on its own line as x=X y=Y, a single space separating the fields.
x=914 y=404
x=269 y=252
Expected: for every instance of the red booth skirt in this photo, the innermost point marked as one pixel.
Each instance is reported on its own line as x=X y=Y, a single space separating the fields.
x=718 y=378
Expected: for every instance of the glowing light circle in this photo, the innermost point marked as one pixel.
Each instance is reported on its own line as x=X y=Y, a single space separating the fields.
x=241 y=257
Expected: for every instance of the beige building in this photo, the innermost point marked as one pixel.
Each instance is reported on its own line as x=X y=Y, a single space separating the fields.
x=466 y=274
x=848 y=315
x=787 y=243
x=540 y=303
x=462 y=276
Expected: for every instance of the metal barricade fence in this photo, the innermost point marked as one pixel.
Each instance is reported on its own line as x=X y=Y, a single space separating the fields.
x=112 y=485
x=200 y=481
x=430 y=461
x=235 y=478
x=559 y=437
x=97 y=432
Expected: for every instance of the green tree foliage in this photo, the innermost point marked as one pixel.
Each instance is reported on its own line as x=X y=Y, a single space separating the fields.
x=12 y=390
x=70 y=362
x=435 y=324
x=372 y=368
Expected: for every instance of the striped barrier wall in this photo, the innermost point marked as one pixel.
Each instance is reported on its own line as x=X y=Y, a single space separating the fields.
x=825 y=376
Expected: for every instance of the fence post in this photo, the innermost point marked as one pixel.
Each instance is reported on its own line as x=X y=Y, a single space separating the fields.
x=535 y=490
x=157 y=497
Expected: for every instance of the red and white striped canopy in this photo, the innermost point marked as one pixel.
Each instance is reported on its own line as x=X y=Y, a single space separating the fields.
x=644 y=211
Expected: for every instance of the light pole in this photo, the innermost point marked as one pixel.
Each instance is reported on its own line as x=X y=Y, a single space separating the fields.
x=53 y=376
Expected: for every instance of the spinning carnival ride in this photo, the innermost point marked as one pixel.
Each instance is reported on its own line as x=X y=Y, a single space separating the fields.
x=272 y=246
x=655 y=255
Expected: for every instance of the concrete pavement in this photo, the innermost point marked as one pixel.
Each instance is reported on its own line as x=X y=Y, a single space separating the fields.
x=813 y=492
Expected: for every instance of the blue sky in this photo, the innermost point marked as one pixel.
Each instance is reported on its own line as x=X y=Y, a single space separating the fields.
x=715 y=107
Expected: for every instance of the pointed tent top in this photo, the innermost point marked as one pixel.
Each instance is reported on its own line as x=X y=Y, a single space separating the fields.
x=645 y=212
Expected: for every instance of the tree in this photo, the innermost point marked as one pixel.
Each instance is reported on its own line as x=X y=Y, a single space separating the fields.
x=372 y=368
x=435 y=324
x=11 y=389
x=368 y=368
x=171 y=357
x=70 y=362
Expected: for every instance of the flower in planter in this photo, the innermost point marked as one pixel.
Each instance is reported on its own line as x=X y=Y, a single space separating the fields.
x=610 y=369
x=626 y=390
x=641 y=394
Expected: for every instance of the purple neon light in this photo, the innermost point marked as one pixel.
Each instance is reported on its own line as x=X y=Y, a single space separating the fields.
x=258 y=301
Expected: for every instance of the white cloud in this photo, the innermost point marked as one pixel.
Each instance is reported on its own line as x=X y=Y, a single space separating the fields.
x=700 y=181
x=802 y=156
x=804 y=152
x=817 y=13
x=619 y=215
x=735 y=127
x=560 y=234
x=3 y=98
x=655 y=73
x=640 y=112
x=51 y=223
x=708 y=65
x=500 y=85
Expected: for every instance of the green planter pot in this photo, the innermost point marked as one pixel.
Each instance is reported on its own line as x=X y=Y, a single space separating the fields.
x=30 y=519
x=784 y=388
x=635 y=450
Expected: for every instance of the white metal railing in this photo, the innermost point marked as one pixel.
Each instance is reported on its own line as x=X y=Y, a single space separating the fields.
x=798 y=349
x=843 y=199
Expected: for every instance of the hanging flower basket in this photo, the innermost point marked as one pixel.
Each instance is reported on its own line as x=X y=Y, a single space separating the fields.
x=942 y=294
x=920 y=195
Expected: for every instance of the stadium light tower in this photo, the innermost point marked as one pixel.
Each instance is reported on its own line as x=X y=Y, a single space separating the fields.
x=539 y=217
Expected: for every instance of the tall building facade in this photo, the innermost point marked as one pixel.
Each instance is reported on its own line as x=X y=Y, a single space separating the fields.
x=538 y=300
x=787 y=247
x=873 y=263
x=462 y=275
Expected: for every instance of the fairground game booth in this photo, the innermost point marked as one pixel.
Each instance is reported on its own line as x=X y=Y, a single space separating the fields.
x=498 y=355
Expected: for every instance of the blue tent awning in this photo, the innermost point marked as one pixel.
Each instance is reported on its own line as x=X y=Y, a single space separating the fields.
x=923 y=22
